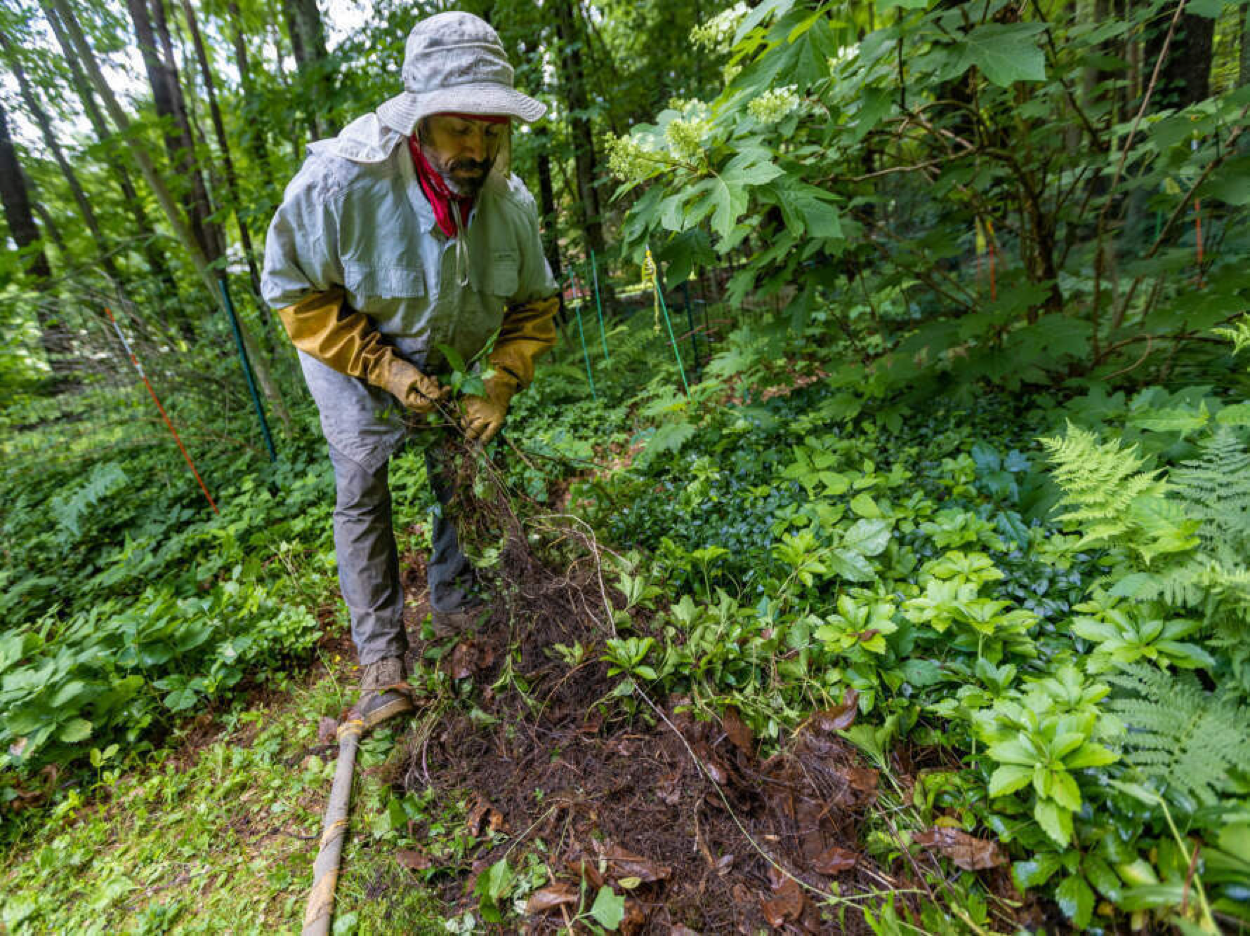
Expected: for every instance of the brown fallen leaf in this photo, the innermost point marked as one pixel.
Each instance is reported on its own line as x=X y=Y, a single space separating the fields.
x=678 y=929
x=724 y=864
x=626 y=865
x=864 y=779
x=484 y=812
x=585 y=868
x=834 y=860
x=635 y=917
x=738 y=731
x=413 y=859
x=787 y=905
x=841 y=716
x=327 y=730
x=461 y=664
x=715 y=769
x=967 y=851
x=621 y=746
x=557 y=895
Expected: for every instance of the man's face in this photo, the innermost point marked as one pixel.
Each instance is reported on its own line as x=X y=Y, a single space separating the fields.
x=462 y=151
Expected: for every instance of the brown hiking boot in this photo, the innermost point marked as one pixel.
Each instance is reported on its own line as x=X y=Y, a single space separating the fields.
x=384 y=691
x=456 y=623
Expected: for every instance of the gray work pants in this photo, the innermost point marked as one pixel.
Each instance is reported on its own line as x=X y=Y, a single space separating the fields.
x=364 y=544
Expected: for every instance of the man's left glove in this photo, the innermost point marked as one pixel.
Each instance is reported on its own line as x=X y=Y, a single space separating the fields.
x=484 y=415
x=528 y=330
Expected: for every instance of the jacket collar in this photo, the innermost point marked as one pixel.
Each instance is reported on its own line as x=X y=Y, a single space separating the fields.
x=367 y=140
x=364 y=140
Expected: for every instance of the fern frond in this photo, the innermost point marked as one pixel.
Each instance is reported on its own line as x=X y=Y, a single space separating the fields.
x=1179 y=734
x=1099 y=482
x=1215 y=488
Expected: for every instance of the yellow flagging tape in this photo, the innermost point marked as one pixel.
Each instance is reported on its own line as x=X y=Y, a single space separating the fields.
x=334 y=830
x=354 y=726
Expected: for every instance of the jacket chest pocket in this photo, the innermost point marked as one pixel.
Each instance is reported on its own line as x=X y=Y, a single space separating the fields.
x=497 y=278
x=368 y=286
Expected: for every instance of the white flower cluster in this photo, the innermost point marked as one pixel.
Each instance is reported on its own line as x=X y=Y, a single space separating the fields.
x=716 y=35
x=684 y=135
x=775 y=105
x=629 y=160
x=685 y=139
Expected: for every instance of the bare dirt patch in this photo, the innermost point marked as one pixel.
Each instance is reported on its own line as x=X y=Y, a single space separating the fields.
x=677 y=812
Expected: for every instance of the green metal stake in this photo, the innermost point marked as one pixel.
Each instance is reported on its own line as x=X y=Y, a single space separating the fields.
x=603 y=332
x=247 y=369
x=694 y=336
x=655 y=283
x=577 y=309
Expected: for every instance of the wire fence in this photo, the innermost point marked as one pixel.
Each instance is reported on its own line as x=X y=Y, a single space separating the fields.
x=126 y=371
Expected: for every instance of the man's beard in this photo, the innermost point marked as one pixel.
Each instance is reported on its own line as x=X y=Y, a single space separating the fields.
x=465 y=177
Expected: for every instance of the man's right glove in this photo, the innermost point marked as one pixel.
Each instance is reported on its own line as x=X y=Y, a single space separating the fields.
x=352 y=345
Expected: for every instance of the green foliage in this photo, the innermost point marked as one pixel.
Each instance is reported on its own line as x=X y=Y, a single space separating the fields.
x=1195 y=745
x=870 y=168
x=1111 y=498
x=1215 y=489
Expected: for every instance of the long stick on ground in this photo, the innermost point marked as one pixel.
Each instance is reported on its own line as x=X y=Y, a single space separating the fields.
x=326 y=868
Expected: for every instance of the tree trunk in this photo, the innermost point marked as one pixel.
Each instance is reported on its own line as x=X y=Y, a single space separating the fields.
x=308 y=42
x=167 y=96
x=15 y=197
x=1243 y=73
x=253 y=135
x=191 y=130
x=547 y=205
x=292 y=137
x=174 y=216
x=71 y=178
x=167 y=286
x=1185 y=76
x=573 y=84
x=232 y=182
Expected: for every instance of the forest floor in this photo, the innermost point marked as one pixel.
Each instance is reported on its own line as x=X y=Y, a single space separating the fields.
x=503 y=797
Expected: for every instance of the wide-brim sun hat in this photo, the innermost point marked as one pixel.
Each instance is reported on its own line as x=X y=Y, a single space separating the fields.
x=455 y=63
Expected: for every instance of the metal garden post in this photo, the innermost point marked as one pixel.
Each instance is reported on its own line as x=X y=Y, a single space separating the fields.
x=247 y=369
x=603 y=333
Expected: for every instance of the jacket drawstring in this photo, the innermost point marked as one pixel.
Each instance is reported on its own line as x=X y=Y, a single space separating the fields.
x=462 y=252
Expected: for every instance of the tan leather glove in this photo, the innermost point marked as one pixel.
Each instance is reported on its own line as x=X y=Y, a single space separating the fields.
x=352 y=345
x=484 y=415
x=528 y=330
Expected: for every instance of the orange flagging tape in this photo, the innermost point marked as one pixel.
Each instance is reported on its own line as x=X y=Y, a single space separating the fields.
x=147 y=383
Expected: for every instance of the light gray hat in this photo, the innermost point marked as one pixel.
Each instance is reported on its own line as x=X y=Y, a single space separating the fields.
x=454 y=62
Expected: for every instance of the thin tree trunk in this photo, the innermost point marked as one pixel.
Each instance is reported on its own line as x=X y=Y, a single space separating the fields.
x=223 y=144
x=285 y=81
x=547 y=203
x=172 y=213
x=573 y=82
x=191 y=131
x=1243 y=61
x=308 y=43
x=15 y=197
x=54 y=147
x=253 y=135
x=167 y=95
x=1243 y=73
x=167 y=286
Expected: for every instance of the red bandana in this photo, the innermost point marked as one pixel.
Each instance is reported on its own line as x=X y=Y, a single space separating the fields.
x=440 y=196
